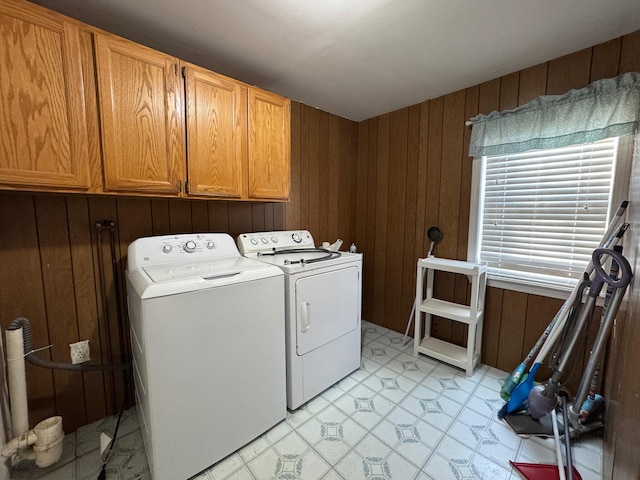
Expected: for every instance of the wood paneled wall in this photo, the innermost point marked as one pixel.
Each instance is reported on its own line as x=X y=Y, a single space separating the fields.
x=323 y=161
x=621 y=459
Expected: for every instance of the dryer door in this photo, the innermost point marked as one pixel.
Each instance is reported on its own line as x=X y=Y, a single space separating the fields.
x=326 y=307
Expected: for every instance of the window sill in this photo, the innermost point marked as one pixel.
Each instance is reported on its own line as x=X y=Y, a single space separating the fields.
x=531 y=287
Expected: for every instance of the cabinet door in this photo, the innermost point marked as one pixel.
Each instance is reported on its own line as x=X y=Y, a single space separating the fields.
x=216 y=133
x=269 y=145
x=43 y=139
x=140 y=96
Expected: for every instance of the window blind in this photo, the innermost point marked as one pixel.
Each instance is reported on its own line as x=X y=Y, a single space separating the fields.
x=545 y=211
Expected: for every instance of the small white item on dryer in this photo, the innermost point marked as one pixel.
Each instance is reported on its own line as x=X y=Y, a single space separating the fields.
x=335 y=246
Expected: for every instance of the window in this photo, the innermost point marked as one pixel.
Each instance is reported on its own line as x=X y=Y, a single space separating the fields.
x=540 y=214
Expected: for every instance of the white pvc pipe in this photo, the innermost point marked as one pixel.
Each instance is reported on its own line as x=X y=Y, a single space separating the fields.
x=46 y=437
x=48 y=444
x=17 y=382
x=5 y=417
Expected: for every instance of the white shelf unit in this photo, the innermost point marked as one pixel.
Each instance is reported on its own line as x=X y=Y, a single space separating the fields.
x=472 y=315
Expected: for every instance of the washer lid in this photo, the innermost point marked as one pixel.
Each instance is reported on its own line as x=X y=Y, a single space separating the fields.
x=206 y=269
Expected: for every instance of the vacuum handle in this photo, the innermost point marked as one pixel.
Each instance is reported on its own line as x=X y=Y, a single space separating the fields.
x=620 y=281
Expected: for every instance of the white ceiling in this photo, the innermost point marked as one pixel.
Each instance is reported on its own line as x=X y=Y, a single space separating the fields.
x=361 y=58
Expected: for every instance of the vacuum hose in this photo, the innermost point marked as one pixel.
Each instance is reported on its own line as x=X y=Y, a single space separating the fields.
x=23 y=322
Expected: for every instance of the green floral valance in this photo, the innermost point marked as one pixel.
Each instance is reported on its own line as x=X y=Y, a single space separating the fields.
x=606 y=108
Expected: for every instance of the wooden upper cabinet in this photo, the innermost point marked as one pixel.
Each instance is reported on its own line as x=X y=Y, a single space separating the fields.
x=140 y=100
x=269 y=145
x=43 y=139
x=216 y=133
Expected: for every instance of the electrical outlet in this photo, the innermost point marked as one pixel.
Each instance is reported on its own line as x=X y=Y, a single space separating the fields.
x=80 y=352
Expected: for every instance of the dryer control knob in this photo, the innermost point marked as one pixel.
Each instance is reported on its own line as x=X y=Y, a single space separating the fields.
x=166 y=248
x=190 y=246
x=211 y=245
x=274 y=239
x=254 y=241
x=265 y=241
x=296 y=238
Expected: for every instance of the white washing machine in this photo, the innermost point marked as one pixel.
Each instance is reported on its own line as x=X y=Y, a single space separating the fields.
x=323 y=305
x=207 y=334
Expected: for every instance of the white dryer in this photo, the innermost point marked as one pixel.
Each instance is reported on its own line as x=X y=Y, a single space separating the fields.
x=323 y=307
x=207 y=335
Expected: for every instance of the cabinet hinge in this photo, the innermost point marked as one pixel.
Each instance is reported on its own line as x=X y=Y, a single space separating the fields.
x=175 y=69
x=184 y=72
x=186 y=187
x=179 y=186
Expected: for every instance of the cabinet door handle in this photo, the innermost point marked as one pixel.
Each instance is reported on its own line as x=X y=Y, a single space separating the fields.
x=305 y=317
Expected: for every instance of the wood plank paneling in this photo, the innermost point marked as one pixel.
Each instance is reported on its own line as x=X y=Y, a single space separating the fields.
x=180 y=220
x=410 y=206
x=422 y=242
x=509 y=91
x=381 y=216
x=292 y=208
x=533 y=83
x=369 y=247
x=630 y=55
x=322 y=165
x=199 y=217
x=313 y=172
x=101 y=210
x=240 y=218
x=160 y=217
x=491 y=328
x=362 y=174
x=304 y=166
x=86 y=301
x=22 y=293
x=278 y=216
x=605 y=60
x=397 y=180
x=218 y=216
x=333 y=183
x=57 y=279
x=568 y=72
x=347 y=196
x=257 y=216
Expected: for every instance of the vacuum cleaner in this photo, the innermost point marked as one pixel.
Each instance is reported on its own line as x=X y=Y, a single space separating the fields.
x=516 y=387
x=543 y=401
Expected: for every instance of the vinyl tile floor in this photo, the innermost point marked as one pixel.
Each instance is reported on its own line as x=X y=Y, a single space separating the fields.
x=398 y=417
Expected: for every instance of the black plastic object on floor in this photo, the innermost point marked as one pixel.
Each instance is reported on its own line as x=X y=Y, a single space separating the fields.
x=523 y=424
x=541 y=471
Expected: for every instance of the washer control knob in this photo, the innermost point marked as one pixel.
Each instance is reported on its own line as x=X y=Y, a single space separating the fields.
x=190 y=246
x=254 y=241
x=264 y=240
x=211 y=245
x=274 y=239
x=296 y=238
x=166 y=248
